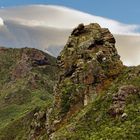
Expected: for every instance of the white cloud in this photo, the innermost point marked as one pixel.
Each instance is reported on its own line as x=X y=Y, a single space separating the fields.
x=128 y=47
x=61 y=17
x=47 y=27
x=1 y=22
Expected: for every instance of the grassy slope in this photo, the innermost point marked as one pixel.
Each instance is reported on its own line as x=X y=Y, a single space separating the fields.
x=20 y=97
x=95 y=123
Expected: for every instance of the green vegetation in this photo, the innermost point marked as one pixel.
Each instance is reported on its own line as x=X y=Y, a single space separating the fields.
x=69 y=95
x=24 y=88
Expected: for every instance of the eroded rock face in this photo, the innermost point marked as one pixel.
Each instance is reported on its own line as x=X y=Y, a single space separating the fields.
x=88 y=63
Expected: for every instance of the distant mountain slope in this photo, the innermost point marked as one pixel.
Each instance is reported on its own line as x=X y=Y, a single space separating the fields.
x=27 y=77
x=47 y=27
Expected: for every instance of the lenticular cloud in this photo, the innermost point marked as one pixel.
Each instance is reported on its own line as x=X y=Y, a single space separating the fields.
x=47 y=27
x=61 y=17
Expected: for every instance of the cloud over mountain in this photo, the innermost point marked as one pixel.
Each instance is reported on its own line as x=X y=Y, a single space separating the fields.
x=47 y=27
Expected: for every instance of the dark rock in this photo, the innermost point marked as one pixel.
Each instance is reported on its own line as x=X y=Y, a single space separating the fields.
x=70 y=71
x=78 y=30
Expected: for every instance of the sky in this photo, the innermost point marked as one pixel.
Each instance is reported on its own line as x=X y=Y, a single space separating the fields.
x=126 y=11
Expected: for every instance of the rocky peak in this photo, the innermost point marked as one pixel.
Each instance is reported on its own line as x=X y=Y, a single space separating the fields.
x=88 y=64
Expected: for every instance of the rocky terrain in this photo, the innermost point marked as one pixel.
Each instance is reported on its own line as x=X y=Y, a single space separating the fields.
x=95 y=96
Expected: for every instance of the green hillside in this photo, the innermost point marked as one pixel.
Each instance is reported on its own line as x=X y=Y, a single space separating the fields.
x=27 y=77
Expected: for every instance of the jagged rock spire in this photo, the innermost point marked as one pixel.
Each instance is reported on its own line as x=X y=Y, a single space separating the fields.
x=88 y=63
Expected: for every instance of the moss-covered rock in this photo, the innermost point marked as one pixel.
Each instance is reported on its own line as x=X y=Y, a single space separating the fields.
x=88 y=62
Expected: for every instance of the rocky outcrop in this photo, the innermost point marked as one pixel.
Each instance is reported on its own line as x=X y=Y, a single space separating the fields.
x=87 y=64
x=96 y=97
x=95 y=94
x=119 y=99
